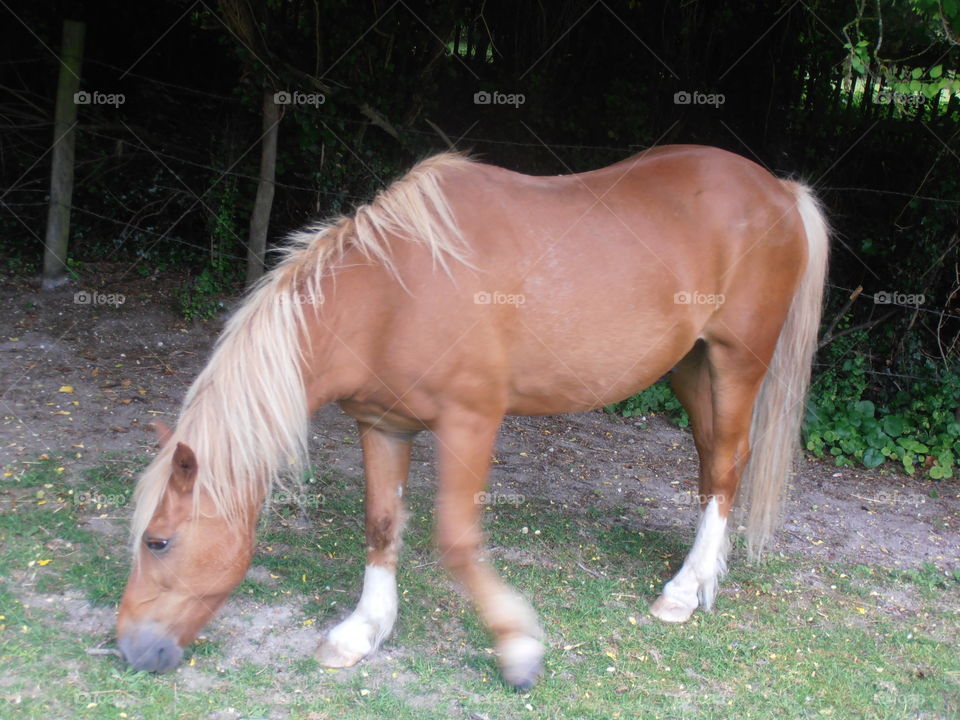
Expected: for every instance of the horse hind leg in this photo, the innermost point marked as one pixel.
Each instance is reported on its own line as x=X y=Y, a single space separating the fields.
x=717 y=384
x=386 y=460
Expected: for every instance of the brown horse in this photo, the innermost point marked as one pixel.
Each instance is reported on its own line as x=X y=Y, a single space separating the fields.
x=464 y=292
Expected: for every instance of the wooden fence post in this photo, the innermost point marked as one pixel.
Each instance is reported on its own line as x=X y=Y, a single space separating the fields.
x=260 y=218
x=64 y=142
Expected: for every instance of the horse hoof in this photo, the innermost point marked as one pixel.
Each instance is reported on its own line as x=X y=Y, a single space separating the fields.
x=671 y=610
x=521 y=662
x=331 y=655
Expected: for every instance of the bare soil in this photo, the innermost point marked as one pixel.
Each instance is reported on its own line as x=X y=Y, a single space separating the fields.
x=86 y=380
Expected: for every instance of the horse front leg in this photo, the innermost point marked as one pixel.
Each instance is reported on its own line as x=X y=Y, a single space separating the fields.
x=464 y=446
x=386 y=461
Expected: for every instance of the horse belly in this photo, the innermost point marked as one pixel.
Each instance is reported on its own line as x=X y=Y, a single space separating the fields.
x=588 y=365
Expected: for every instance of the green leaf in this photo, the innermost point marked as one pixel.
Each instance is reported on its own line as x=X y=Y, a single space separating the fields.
x=916 y=73
x=872 y=458
x=864 y=408
x=894 y=425
x=936 y=71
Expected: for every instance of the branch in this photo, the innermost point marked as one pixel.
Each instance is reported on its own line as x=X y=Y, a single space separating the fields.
x=440 y=132
x=862 y=326
x=843 y=311
x=328 y=90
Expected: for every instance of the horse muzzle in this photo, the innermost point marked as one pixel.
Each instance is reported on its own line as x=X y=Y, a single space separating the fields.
x=150 y=648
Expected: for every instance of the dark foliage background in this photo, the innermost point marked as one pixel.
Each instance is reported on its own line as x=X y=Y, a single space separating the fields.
x=857 y=98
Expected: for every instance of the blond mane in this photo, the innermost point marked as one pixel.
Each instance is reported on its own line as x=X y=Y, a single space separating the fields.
x=245 y=416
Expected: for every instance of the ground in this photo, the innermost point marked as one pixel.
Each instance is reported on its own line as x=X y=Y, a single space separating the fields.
x=79 y=384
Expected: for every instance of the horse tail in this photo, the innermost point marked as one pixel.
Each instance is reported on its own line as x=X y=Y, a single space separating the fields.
x=781 y=404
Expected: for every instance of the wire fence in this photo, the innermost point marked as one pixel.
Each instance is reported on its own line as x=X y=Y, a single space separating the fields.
x=472 y=139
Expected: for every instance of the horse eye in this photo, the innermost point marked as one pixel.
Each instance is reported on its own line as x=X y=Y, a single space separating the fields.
x=156 y=544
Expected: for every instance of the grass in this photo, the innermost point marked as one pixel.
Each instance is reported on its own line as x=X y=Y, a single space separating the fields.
x=791 y=638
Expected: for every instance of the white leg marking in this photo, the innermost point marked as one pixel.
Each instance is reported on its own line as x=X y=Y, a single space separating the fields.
x=696 y=582
x=367 y=626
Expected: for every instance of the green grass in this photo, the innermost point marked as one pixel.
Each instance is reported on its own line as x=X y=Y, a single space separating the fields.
x=791 y=638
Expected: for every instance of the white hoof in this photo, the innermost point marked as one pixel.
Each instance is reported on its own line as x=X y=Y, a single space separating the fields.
x=369 y=625
x=695 y=585
x=348 y=643
x=521 y=661
x=671 y=609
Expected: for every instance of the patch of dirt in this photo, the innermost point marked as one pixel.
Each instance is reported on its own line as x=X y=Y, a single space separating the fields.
x=80 y=617
x=86 y=380
x=271 y=634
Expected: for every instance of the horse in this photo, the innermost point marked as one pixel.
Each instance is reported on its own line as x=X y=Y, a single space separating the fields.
x=464 y=292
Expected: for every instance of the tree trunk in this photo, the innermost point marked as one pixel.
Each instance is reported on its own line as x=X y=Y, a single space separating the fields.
x=64 y=142
x=260 y=219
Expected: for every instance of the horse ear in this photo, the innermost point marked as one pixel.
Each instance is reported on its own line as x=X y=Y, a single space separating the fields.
x=163 y=432
x=184 y=469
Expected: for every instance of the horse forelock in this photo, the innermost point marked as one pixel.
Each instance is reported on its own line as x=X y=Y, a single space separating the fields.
x=245 y=415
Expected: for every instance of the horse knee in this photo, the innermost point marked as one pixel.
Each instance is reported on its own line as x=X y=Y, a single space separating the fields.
x=458 y=550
